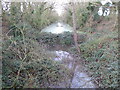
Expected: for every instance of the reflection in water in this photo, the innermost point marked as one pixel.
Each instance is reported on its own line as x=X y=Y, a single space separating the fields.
x=80 y=78
x=61 y=55
x=59 y=25
x=58 y=28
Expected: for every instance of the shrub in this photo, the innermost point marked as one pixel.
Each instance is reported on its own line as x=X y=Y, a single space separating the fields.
x=100 y=56
x=35 y=65
x=103 y=63
x=65 y=38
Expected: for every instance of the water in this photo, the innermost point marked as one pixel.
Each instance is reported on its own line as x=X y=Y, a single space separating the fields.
x=58 y=28
x=61 y=55
x=80 y=78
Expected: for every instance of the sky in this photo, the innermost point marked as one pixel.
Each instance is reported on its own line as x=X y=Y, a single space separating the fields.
x=59 y=6
x=56 y=0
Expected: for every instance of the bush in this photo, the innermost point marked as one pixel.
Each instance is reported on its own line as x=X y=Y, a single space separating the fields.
x=36 y=67
x=103 y=61
x=65 y=38
x=100 y=56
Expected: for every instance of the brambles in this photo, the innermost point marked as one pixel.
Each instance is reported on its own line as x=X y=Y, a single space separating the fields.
x=65 y=38
x=29 y=59
x=100 y=56
x=27 y=62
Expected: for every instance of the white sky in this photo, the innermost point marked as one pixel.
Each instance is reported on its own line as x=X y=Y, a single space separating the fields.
x=59 y=6
x=56 y=0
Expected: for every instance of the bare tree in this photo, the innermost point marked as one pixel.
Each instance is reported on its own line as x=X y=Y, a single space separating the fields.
x=75 y=40
x=74 y=26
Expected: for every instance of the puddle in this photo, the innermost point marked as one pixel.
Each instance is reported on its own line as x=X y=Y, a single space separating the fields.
x=61 y=55
x=80 y=78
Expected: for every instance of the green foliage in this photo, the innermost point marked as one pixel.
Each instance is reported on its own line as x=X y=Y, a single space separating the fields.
x=35 y=64
x=91 y=7
x=85 y=17
x=68 y=17
x=22 y=53
x=89 y=30
x=27 y=63
x=42 y=16
x=96 y=17
x=101 y=58
x=14 y=15
x=64 y=39
x=48 y=72
x=38 y=16
x=82 y=15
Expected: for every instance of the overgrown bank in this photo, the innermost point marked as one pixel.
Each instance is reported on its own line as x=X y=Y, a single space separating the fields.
x=100 y=54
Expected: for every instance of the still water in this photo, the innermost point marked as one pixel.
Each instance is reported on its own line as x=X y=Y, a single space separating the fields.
x=58 y=28
x=80 y=78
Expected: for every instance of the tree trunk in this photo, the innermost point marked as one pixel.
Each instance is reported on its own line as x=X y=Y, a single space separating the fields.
x=75 y=40
x=74 y=26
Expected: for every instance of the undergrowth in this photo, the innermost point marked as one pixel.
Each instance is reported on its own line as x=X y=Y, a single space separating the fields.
x=100 y=55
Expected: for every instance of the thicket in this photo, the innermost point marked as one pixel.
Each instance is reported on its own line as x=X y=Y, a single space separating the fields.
x=101 y=57
x=100 y=52
x=25 y=62
x=83 y=13
x=65 y=39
